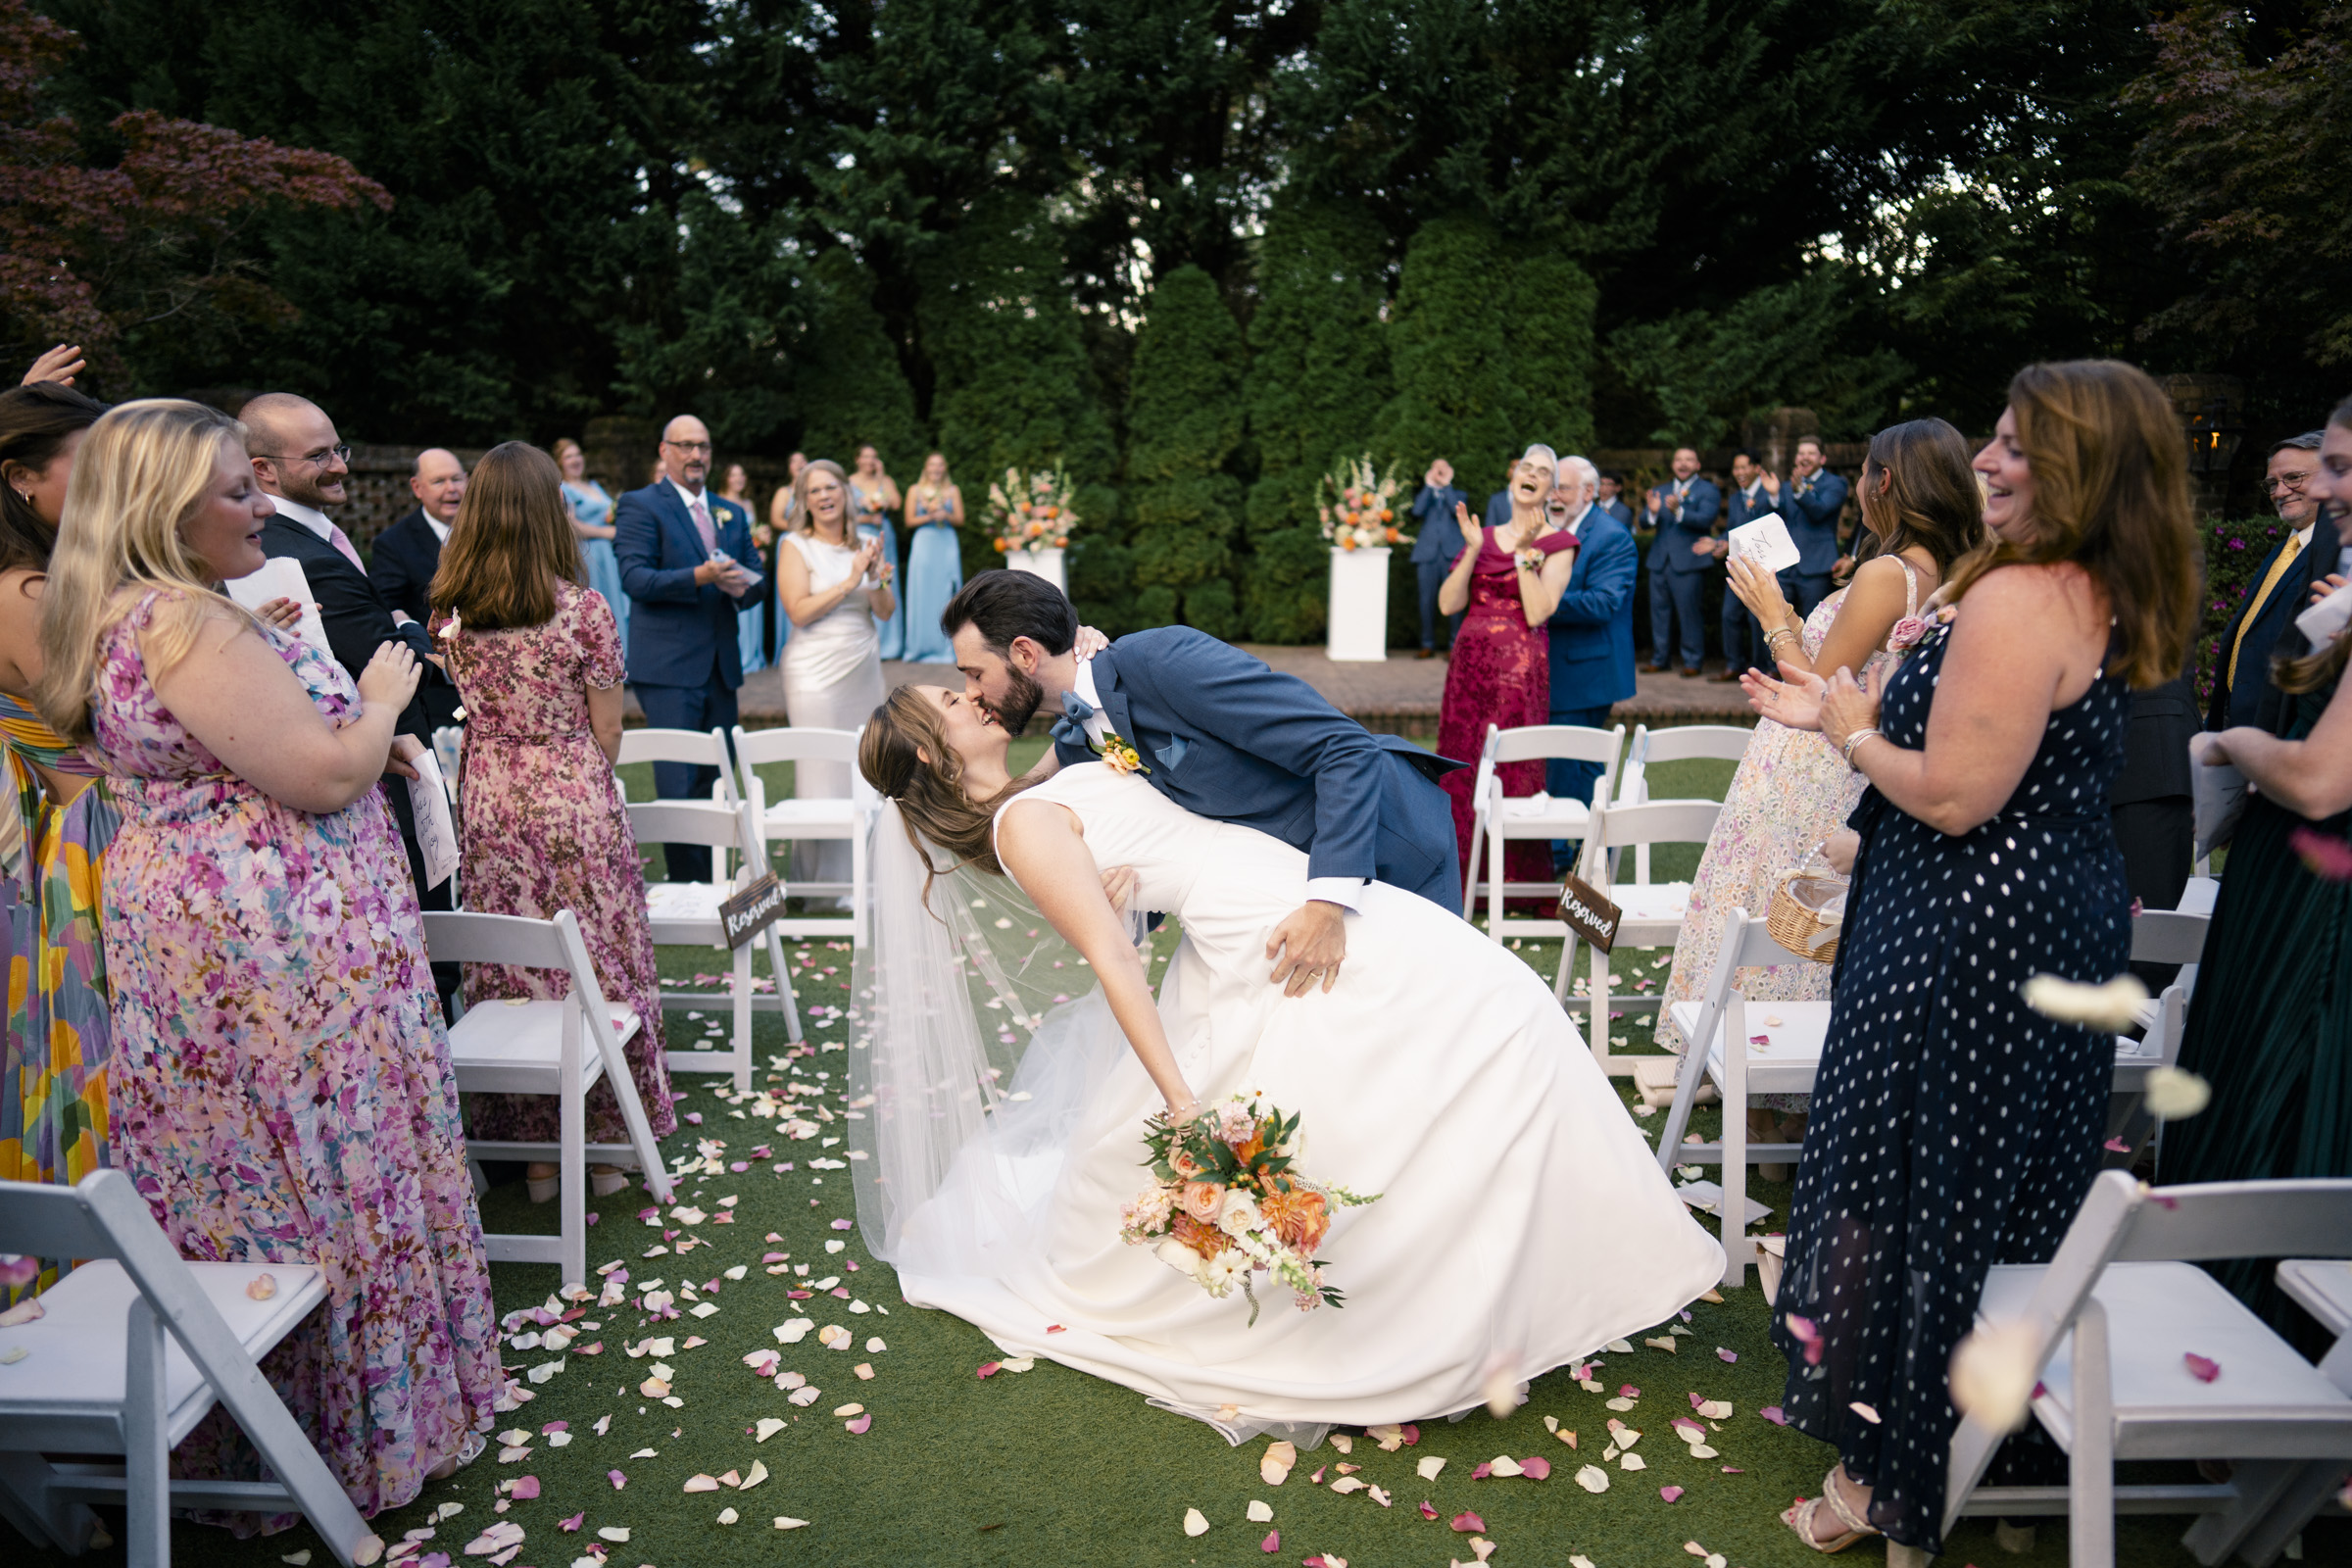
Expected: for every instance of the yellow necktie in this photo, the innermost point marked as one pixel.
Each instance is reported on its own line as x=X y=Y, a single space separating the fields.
x=2262 y=595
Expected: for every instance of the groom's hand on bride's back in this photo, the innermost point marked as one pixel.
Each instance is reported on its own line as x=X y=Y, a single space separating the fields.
x=1308 y=946
x=1118 y=885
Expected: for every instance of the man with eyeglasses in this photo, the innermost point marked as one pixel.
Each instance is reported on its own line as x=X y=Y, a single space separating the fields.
x=301 y=463
x=2242 y=692
x=682 y=552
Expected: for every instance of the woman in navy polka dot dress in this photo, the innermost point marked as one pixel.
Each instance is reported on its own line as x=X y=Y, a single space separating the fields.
x=1955 y=1128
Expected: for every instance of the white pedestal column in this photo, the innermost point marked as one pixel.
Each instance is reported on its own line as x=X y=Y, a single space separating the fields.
x=1360 y=606
x=1045 y=563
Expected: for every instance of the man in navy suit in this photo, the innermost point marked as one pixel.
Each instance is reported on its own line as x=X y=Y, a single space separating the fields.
x=2242 y=692
x=1435 y=548
x=1743 y=633
x=1592 y=633
x=681 y=556
x=1809 y=503
x=1612 y=498
x=1684 y=512
x=405 y=557
x=1222 y=735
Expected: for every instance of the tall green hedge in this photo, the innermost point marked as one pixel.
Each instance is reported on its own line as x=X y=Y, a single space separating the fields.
x=1552 y=305
x=1183 y=500
x=1318 y=379
x=1457 y=393
x=849 y=384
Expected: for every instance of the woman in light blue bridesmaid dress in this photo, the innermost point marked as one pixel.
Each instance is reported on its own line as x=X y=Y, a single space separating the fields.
x=873 y=497
x=750 y=626
x=934 y=561
x=592 y=520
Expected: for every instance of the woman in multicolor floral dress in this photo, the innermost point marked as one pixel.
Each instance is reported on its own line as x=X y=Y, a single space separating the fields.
x=1921 y=510
x=280 y=1079
x=537 y=659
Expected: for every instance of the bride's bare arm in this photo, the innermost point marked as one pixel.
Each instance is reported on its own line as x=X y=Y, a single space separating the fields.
x=1038 y=843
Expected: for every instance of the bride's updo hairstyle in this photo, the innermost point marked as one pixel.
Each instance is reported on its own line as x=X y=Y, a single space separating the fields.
x=904 y=754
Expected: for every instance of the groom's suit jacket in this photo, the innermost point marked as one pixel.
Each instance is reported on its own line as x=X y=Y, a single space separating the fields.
x=1226 y=737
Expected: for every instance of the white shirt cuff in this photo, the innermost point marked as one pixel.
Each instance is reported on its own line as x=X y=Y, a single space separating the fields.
x=1344 y=890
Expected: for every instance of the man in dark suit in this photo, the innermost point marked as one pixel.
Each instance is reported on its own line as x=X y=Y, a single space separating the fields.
x=2242 y=692
x=1435 y=548
x=300 y=461
x=1592 y=634
x=1683 y=511
x=1499 y=504
x=405 y=557
x=1743 y=633
x=1612 y=498
x=1809 y=503
x=1222 y=735
x=682 y=552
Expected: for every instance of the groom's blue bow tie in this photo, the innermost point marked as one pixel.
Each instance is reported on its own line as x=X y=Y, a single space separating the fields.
x=1070 y=728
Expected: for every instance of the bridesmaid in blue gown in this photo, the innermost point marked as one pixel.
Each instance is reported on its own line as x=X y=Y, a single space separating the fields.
x=873 y=497
x=750 y=626
x=934 y=561
x=592 y=520
x=1955 y=1128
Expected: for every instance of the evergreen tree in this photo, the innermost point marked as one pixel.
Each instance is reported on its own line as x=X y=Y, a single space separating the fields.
x=1458 y=396
x=1551 y=305
x=848 y=384
x=1318 y=379
x=1184 y=430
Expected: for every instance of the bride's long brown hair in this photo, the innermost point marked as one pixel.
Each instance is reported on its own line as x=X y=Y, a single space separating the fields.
x=904 y=754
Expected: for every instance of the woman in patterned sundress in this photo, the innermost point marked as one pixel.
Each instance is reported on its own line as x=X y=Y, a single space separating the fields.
x=537 y=660
x=1953 y=1128
x=280 y=1079
x=1920 y=512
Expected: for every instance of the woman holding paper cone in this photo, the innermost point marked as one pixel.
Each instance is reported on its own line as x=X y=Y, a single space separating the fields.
x=537 y=656
x=281 y=1078
x=2271 y=1025
x=1920 y=512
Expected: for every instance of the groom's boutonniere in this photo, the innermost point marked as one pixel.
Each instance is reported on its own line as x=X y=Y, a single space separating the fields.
x=1119 y=756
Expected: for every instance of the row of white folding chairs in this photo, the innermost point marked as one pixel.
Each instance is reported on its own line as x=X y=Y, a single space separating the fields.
x=1721 y=1031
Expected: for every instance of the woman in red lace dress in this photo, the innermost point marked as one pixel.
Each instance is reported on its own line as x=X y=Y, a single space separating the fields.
x=1505 y=586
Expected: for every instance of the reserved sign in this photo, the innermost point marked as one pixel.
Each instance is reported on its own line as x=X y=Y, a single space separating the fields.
x=754 y=910
x=1589 y=915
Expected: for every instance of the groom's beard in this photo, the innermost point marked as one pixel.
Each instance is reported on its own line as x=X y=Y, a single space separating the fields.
x=1023 y=696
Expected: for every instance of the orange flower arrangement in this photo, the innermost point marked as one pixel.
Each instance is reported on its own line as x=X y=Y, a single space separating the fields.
x=1031 y=511
x=1356 y=508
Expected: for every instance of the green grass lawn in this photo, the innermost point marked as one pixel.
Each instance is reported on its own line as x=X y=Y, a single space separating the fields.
x=1051 y=1466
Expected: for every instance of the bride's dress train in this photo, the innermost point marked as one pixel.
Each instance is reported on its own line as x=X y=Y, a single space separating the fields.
x=1523 y=1221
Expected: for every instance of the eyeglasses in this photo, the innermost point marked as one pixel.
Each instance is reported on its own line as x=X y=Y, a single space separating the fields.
x=2286 y=481
x=317 y=460
x=689 y=446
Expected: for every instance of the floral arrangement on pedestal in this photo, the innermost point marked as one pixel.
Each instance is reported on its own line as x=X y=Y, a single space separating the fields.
x=1226 y=1203
x=1356 y=506
x=1032 y=510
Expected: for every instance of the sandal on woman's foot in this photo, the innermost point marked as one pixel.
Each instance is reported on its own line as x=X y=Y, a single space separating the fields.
x=1800 y=1518
x=543 y=1188
x=475 y=1446
x=606 y=1180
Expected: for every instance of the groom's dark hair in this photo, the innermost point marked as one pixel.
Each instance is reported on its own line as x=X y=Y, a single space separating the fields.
x=1004 y=603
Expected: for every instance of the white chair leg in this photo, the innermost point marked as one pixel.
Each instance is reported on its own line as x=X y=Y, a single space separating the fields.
x=1738 y=1250
x=858 y=901
x=28 y=1502
x=786 y=998
x=2090 y=1465
x=743 y=1019
x=2276 y=1500
x=1495 y=875
x=1597 y=989
x=146 y=1441
x=573 y=1157
x=1564 y=980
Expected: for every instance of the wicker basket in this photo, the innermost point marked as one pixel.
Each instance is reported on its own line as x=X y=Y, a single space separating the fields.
x=1807 y=914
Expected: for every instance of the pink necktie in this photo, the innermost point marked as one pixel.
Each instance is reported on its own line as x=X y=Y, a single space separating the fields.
x=342 y=541
x=702 y=524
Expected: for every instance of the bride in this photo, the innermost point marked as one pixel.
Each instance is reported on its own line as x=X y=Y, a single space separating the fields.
x=1523 y=1221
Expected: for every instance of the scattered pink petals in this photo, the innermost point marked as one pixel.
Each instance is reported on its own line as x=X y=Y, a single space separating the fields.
x=2325 y=856
x=572 y=1523
x=1734 y=1470
x=1535 y=1468
x=1671 y=1494
x=525 y=1489
x=2201 y=1369
x=1272 y=1543
x=841 y=1224
x=1413 y=1435
x=1481 y=1474
x=1807 y=1336
x=1722 y=1354
x=1868 y=1413
x=1055 y=1328
x=1774 y=1414
x=1627 y=1392
x=1468 y=1523
x=617 y=1479
x=989 y=1369
x=2115 y=1146
x=262 y=1287
x=863 y=1424
x=694 y=1118
x=1428 y=1512
x=554 y=1426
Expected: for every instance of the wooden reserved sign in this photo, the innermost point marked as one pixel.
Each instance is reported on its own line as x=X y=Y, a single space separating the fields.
x=753 y=911
x=1589 y=915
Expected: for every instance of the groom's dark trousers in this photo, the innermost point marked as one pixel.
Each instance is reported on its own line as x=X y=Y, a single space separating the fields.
x=1224 y=736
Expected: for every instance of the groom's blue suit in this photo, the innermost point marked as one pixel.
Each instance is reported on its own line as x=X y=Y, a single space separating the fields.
x=1228 y=738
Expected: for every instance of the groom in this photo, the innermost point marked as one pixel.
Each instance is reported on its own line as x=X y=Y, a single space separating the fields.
x=1220 y=734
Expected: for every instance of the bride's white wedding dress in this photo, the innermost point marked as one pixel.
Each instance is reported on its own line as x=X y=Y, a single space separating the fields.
x=1523 y=1221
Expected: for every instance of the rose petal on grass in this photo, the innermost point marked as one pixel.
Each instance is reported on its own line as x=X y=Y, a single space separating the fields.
x=2203 y=1370
x=525 y=1489
x=862 y=1424
x=1260 y=1513
x=1348 y=1484
x=1196 y=1523
x=1502 y=1464
x=1671 y=1494
x=616 y=1534
x=1774 y=1414
x=1593 y=1478
x=702 y=1482
x=1428 y=1512
x=1535 y=1468
x=784 y=1523
x=1722 y=1354
x=572 y=1523
x=1272 y=1543
x=617 y=1479
x=1430 y=1467
x=1566 y=1435
x=1468 y=1523
x=1274 y=1465
x=989 y=1369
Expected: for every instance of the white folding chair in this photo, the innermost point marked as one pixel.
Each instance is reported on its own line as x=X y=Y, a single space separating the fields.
x=816 y=818
x=2158 y=936
x=694 y=747
x=1498 y=818
x=1677 y=742
x=687 y=914
x=133 y=1348
x=1651 y=912
x=1763 y=1048
x=558 y=1048
x=2110 y=1326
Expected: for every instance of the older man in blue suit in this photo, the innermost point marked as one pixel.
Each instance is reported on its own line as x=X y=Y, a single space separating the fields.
x=1222 y=735
x=1809 y=503
x=1683 y=511
x=1592 y=633
x=1433 y=550
x=681 y=551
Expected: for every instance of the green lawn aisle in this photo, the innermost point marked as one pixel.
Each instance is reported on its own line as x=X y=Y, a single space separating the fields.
x=1044 y=1466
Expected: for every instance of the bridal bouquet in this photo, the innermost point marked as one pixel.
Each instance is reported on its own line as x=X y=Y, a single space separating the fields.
x=1032 y=510
x=1226 y=1204
x=1356 y=508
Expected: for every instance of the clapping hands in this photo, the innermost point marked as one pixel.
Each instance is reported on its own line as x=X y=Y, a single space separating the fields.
x=1471 y=535
x=1835 y=707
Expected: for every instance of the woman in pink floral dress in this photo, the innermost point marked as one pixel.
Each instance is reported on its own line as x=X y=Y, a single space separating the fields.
x=1921 y=510
x=537 y=659
x=281 y=1083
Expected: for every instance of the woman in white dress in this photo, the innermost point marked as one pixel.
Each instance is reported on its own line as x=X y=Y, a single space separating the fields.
x=836 y=593
x=1523 y=1222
